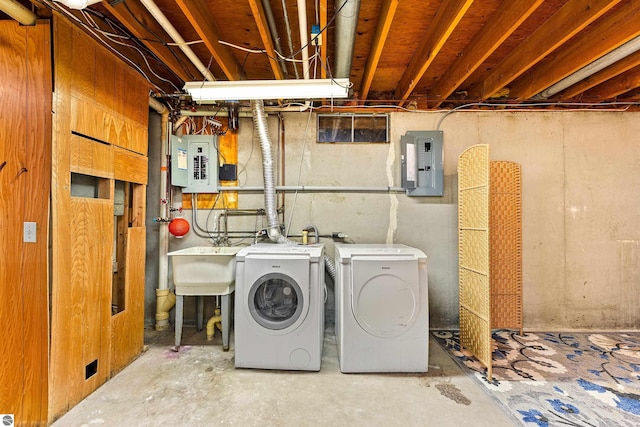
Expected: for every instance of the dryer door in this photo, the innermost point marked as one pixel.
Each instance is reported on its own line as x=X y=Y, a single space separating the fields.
x=276 y=301
x=385 y=294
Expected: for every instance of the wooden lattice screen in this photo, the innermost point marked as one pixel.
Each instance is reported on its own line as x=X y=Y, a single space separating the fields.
x=490 y=249
x=473 y=247
x=505 y=245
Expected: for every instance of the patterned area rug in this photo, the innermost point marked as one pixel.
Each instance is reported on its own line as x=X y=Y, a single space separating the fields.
x=560 y=379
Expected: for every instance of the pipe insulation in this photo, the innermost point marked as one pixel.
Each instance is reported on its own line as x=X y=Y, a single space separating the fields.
x=18 y=12
x=346 y=24
x=260 y=124
x=175 y=35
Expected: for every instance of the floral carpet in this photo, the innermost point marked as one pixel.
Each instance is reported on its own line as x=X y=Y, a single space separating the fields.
x=560 y=379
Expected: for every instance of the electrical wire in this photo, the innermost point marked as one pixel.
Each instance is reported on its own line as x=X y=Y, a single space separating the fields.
x=524 y=107
x=304 y=147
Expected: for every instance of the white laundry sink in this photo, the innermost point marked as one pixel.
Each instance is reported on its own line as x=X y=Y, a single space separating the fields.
x=204 y=270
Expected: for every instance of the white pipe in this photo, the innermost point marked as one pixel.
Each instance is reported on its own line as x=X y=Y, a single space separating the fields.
x=165 y=299
x=173 y=33
x=318 y=189
x=599 y=64
x=304 y=37
x=18 y=12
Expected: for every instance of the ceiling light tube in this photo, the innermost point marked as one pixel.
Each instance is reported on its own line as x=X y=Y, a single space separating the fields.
x=588 y=70
x=242 y=90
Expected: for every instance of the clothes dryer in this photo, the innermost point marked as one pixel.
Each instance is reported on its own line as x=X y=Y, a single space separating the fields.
x=382 y=312
x=279 y=307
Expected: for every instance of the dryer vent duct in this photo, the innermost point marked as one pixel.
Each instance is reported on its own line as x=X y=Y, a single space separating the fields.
x=260 y=124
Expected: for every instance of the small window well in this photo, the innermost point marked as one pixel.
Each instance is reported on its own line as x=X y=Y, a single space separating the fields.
x=353 y=128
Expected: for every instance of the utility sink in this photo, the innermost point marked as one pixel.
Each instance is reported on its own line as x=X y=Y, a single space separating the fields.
x=204 y=270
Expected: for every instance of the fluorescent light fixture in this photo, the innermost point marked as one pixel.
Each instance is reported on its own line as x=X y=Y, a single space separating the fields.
x=77 y=4
x=242 y=90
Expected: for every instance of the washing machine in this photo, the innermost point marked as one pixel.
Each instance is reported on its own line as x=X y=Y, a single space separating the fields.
x=382 y=312
x=279 y=307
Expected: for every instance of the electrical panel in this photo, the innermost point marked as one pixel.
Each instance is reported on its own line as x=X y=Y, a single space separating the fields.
x=194 y=163
x=422 y=163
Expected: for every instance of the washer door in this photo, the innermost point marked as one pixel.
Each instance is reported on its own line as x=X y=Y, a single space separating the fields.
x=384 y=295
x=276 y=301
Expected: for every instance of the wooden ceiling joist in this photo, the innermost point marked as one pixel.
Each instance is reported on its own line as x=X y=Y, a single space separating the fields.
x=616 y=86
x=387 y=13
x=204 y=24
x=325 y=38
x=137 y=19
x=604 y=36
x=614 y=70
x=572 y=18
x=445 y=21
x=265 y=35
x=501 y=25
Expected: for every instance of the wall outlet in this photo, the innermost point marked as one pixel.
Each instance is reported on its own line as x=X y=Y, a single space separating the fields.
x=29 y=235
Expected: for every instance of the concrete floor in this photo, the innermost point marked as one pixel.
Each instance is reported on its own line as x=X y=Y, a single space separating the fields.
x=199 y=386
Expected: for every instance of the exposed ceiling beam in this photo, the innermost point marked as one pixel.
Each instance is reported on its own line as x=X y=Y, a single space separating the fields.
x=612 y=71
x=604 y=36
x=564 y=24
x=385 y=19
x=265 y=35
x=204 y=24
x=501 y=24
x=445 y=21
x=616 y=86
x=137 y=19
x=325 y=38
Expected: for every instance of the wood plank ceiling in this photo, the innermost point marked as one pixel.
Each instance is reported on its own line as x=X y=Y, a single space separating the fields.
x=426 y=54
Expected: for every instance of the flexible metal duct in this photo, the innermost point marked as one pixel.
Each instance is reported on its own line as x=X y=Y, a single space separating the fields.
x=260 y=124
x=330 y=267
x=345 y=38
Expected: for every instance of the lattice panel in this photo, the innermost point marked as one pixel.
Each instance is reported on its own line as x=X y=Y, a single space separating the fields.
x=505 y=242
x=473 y=247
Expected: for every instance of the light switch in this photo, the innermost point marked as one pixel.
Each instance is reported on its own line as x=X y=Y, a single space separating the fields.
x=29 y=232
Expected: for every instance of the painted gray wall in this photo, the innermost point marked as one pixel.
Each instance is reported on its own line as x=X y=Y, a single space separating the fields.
x=580 y=236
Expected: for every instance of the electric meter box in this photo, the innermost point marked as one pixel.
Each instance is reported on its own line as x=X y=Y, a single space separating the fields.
x=194 y=163
x=422 y=163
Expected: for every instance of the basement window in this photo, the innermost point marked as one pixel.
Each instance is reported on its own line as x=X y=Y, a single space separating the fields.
x=353 y=128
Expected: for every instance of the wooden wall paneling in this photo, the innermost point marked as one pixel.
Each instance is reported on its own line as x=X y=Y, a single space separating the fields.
x=63 y=315
x=136 y=98
x=111 y=106
x=138 y=206
x=92 y=246
x=130 y=167
x=25 y=101
x=82 y=62
x=89 y=119
x=105 y=85
x=127 y=327
x=35 y=272
x=91 y=157
x=13 y=104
